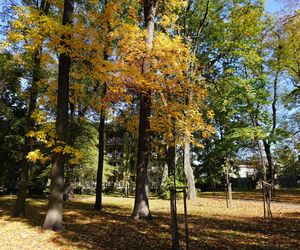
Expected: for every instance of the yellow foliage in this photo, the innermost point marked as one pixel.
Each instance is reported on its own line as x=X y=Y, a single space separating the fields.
x=39 y=116
x=37 y=155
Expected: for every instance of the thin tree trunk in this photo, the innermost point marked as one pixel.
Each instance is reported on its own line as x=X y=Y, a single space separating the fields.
x=69 y=185
x=262 y=161
x=228 y=189
x=23 y=185
x=269 y=188
x=171 y=161
x=267 y=144
x=98 y=202
x=230 y=194
x=164 y=176
x=141 y=205
x=54 y=214
x=189 y=171
x=271 y=172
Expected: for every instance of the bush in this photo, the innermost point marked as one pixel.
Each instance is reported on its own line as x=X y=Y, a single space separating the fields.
x=165 y=191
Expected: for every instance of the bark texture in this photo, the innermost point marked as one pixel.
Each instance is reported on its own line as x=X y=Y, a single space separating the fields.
x=54 y=214
x=141 y=205
x=98 y=202
x=271 y=170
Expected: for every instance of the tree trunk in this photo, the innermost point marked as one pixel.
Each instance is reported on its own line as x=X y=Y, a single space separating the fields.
x=228 y=190
x=189 y=171
x=271 y=171
x=171 y=161
x=69 y=185
x=54 y=214
x=141 y=205
x=261 y=157
x=23 y=185
x=164 y=176
x=101 y=128
x=98 y=202
x=230 y=194
x=267 y=144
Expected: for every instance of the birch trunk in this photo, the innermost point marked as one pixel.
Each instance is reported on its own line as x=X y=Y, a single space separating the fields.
x=189 y=171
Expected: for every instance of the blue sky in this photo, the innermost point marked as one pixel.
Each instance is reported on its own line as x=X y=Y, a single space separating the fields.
x=273 y=5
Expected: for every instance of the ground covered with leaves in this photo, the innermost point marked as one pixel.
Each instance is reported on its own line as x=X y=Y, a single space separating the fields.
x=282 y=195
x=211 y=226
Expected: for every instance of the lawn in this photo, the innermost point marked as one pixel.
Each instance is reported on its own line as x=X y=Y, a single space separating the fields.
x=211 y=225
x=282 y=195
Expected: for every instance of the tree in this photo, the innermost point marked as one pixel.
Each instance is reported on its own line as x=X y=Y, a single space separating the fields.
x=12 y=109
x=230 y=38
x=141 y=204
x=103 y=111
x=54 y=214
x=36 y=77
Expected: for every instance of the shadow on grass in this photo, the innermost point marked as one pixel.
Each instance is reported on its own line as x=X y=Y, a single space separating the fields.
x=246 y=233
x=112 y=228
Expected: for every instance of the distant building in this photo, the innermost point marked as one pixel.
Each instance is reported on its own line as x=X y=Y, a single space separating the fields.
x=245 y=171
x=120 y=152
x=245 y=178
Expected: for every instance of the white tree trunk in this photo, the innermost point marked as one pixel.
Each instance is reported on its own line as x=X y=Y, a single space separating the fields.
x=189 y=171
x=164 y=176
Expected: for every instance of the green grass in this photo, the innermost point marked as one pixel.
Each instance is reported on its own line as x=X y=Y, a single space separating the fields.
x=211 y=226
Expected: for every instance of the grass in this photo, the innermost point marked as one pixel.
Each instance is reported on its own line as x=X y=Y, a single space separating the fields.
x=211 y=226
x=282 y=195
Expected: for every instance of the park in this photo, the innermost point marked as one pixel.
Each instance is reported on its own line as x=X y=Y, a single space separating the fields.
x=211 y=225
x=154 y=124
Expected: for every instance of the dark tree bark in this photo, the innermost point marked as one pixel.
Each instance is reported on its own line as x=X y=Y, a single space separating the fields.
x=141 y=205
x=171 y=154
x=101 y=128
x=54 y=214
x=171 y=162
x=23 y=185
x=69 y=185
x=271 y=170
x=98 y=202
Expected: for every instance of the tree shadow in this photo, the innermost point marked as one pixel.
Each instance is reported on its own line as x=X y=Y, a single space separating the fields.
x=245 y=233
x=85 y=228
x=112 y=228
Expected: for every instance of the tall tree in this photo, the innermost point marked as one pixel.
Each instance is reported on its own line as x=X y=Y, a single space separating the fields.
x=230 y=38
x=36 y=77
x=101 y=131
x=141 y=205
x=54 y=214
x=101 y=127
